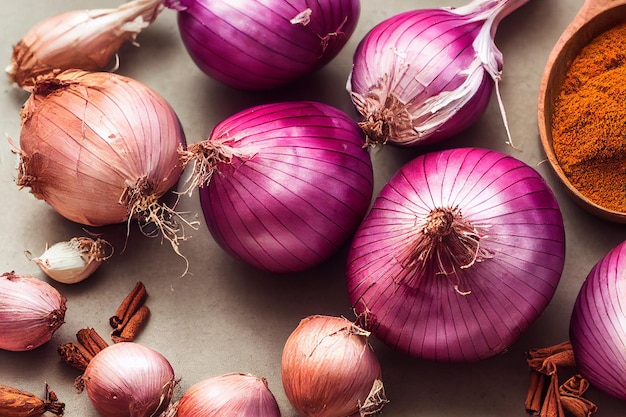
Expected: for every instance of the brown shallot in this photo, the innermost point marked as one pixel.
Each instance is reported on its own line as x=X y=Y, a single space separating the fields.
x=330 y=370
x=128 y=379
x=79 y=39
x=101 y=149
x=233 y=394
x=31 y=311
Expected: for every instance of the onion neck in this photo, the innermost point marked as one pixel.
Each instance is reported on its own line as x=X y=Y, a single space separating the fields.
x=445 y=244
x=206 y=157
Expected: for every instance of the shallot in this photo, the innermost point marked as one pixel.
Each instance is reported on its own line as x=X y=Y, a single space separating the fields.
x=424 y=75
x=31 y=311
x=461 y=252
x=102 y=149
x=330 y=370
x=233 y=394
x=79 y=39
x=598 y=324
x=128 y=379
x=283 y=186
x=261 y=45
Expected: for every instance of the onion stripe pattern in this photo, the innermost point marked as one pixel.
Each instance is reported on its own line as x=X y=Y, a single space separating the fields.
x=598 y=324
x=458 y=311
x=260 y=45
x=299 y=189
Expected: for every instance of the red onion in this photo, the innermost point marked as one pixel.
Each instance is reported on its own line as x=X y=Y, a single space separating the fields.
x=232 y=394
x=598 y=324
x=101 y=149
x=31 y=311
x=287 y=183
x=424 y=75
x=330 y=370
x=264 y=44
x=462 y=251
x=128 y=379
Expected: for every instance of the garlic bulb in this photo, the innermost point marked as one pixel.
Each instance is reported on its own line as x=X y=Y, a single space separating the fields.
x=30 y=312
x=232 y=394
x=330 y=370
x=74 y=260
x=81 y=39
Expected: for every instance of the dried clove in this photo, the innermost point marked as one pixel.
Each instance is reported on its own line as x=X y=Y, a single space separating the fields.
x=18 y=403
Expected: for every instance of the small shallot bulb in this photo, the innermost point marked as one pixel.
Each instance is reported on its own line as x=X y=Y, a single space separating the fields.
x=128 y=379
x=330 y=370
x=80 y=39
x=31 y=311
x=226 y=395
x=72 y=261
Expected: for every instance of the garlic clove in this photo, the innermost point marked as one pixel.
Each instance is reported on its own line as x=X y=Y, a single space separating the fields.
x=80 y=39
x=74 y=260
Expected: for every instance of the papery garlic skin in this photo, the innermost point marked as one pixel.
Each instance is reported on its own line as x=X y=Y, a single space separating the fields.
x=128 y=379
x=31 y=311
x=233 y=394
x=330 y=370
x=74 y=260
x=81 y=39
x=101 y=149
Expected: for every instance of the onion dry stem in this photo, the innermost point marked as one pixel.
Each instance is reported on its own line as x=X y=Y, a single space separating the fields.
x=205 y=157
x=446 y=241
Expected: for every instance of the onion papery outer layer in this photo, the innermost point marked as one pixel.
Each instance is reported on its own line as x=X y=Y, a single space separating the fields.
x=598 y=324
x=93 y=144
x=127 y=379
x=329 y=369
x=469 y=294
x=291 y=183
x=31 y=311
x=233 y=394
x=424 y=75
x=261 y=45
x=79 y=39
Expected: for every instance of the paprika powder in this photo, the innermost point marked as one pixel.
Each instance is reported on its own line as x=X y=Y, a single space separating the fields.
x=589 y=121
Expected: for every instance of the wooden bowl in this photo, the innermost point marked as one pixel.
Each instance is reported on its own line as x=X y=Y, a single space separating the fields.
x=594 y=17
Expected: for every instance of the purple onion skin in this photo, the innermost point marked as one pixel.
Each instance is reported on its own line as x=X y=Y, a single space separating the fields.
x=598 y=324
x=422 y=31
x=510 y=285
x=302 y=195
x=252 y=45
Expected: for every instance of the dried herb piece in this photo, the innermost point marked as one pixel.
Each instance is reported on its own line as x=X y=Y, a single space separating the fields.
x=78 y=354
x=130 y=315
x=132 y=327
x=571 y=392
x=552 y=400
x=17 y=403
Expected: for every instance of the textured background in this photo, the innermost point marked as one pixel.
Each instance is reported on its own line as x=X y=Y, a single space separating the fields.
x=226 y=317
